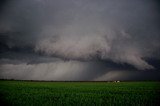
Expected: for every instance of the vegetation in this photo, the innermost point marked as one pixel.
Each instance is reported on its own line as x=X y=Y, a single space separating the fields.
x=28 y=93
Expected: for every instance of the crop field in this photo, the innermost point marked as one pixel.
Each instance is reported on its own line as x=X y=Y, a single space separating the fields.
x=32 y=93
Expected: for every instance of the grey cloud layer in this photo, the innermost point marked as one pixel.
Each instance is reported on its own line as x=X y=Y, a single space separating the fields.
x=59 y=70
x=118 y=31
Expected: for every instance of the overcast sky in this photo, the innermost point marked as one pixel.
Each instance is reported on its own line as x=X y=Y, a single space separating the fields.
x=75 y=40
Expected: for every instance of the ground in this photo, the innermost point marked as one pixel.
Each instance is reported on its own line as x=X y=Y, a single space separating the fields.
x=32 y=93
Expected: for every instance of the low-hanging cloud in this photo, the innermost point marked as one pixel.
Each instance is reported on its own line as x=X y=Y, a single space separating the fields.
x=57 y=71
x=78 y=31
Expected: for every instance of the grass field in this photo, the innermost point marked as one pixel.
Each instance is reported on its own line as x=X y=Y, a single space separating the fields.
x=28 y=93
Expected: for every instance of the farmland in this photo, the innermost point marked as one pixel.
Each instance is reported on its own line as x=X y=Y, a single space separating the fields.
x=32 y=93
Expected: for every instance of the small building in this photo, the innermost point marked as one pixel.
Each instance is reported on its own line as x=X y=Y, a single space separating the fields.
x=116 y=81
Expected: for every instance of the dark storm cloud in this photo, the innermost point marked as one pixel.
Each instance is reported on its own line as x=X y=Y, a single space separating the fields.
x=78 y=40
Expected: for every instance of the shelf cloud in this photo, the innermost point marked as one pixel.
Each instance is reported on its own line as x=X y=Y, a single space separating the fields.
x=79 y=40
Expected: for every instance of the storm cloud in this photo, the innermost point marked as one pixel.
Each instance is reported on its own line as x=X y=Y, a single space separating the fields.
x=79 y=40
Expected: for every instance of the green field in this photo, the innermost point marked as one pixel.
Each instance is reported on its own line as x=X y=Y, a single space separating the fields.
x=28 y=93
